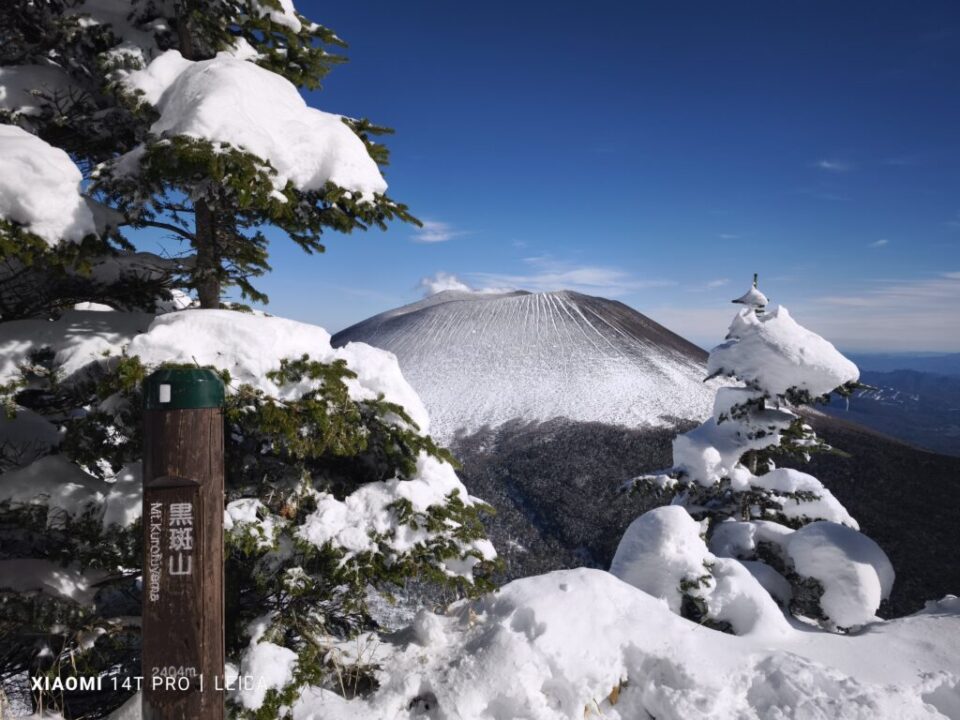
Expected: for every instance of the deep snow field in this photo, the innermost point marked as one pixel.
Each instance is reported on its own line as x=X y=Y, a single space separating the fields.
x=581 y=643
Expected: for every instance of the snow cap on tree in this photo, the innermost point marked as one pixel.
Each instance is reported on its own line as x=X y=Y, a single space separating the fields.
x=40 y=189
x=773 y=353
x=186 y=117
x=753 y=298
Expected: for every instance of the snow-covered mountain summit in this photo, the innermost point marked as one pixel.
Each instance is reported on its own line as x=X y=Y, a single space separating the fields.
x=486 y=358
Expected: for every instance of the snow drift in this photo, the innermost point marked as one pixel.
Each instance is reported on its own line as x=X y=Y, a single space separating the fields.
x=581 y=643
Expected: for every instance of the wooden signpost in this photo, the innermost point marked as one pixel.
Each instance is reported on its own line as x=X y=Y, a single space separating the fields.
x=183 y=467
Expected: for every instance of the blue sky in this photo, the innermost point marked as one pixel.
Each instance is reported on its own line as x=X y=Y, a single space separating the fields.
x=657 y=153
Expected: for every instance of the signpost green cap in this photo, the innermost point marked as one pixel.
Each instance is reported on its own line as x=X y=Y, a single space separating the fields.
x=183 y=389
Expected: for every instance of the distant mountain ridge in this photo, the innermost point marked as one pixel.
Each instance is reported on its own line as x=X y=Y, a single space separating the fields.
x=921 y=408
x=942 y=364
x=480 y=359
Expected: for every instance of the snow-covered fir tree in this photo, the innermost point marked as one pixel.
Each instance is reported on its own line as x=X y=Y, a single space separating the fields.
x=186 y=117
x=740 y=530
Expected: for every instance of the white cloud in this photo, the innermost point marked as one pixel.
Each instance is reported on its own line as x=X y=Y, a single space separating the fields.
x=441 y=281
x=879 y=243
x=899 y=294
x=548 y=274
x=719 y=282
x=837 y=166
x=434 y=231
x=729 y=236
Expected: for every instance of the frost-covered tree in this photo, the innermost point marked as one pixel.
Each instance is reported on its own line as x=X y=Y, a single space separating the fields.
x=185 y=116
x=733 y=510
x=179 y=115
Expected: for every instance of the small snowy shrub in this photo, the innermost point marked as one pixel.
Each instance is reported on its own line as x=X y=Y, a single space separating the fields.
x=725 y=475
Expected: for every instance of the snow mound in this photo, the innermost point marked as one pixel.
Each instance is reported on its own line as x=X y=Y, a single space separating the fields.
x=66 y=490
x=662 y=549
x=285 y=16
x=228 y=100
x=249 y=346
x=787 y=480
x=855 y=573
x=753 y=298
x=712 y=451
x=31 y=434
x=365 y=517
x=775 y=353
x=40 y=188
x=581 y=643
x=47 y=577
x=272 y=665
x=659 y=550
x=77 y=338
x=135 y=35
x=739 y=539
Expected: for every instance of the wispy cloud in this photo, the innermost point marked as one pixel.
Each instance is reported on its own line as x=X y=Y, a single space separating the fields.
x=904 y=160
x=954 y=224
x=728 y=236
x=547 y=273
x=709 y=285
x=834 y=166
x=898 y=294
x=881 y=316
x=434 y=231
x=879 y=243
x=894 y=315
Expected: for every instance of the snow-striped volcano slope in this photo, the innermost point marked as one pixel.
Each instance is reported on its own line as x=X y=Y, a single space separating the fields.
x=482 y=359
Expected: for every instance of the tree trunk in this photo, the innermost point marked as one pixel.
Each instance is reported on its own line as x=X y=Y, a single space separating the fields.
x=207 y=271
